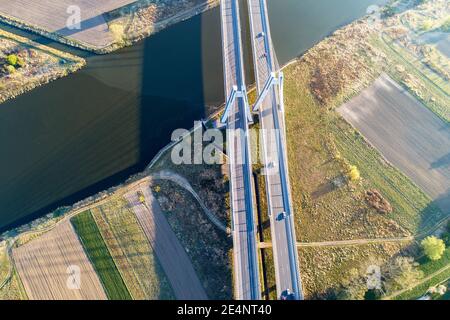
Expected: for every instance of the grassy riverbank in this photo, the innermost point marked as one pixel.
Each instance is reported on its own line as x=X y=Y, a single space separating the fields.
x=329 y=206
x=25 y=65
x=113 y=29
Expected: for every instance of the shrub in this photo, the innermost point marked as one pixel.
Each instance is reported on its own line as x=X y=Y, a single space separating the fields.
x=353 y=173
x=445 y=27
x=118 y=32
x=12 y=59
x=446 y=235
x=427 y=25
x=10 y=69
x=141 y=198
x=402 y=273
x=433 y=247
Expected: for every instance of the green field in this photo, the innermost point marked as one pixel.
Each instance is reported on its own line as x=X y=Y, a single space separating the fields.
x=98 y=254
x=131 y=251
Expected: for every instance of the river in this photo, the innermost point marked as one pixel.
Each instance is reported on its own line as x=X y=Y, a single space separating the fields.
x=84 y=133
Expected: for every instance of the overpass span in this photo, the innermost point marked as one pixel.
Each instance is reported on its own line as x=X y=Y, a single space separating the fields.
x=270 y=105
x=237 y=117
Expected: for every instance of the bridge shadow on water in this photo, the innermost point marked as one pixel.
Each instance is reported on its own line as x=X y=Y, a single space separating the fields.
x=91 y=130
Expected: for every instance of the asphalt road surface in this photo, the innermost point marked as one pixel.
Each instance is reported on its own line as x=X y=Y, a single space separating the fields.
x=246 y=268
x=273 y=145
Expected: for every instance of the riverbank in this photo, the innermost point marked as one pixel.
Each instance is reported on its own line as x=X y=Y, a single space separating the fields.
x=107 y=30
x=25 y=65
x=136 y=22
x=184 y=207
x=324 y=266
x=345 y=188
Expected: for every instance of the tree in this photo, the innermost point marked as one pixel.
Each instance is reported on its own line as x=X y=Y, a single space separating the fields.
x=354 y=287
x=15 y=61
x=403 y=273
x=12 y=60
x=433 y=247
x=353 y=173
x=10 y=69
x=446 y=235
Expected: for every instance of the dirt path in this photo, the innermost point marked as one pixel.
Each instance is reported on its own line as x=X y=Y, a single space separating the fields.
x=264 y=245
x=172 y=256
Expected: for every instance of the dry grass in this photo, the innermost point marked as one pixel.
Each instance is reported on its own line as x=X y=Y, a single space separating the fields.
x=325 y=270
x=142 y=18
x=207 y=247
x=41 y=65
x=321 y=146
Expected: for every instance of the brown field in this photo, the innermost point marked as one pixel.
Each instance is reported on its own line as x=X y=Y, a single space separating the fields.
x=52 y=16
x=408 y=135
x=42 y=266
x=172 y=256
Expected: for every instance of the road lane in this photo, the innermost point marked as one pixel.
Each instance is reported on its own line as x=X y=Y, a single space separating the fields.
x=274 y=151
x=246 y=275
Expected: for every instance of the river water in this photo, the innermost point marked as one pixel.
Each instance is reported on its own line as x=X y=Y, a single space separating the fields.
x=84 y=133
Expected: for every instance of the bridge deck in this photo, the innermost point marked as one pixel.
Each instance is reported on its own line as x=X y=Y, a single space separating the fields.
x=244 y=236
x=277 y=181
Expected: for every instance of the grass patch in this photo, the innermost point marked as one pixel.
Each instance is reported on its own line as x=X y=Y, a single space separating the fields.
x=270 y=290
x=422 y=82
x=99 y=256
x=131 y=251
x=325 y=269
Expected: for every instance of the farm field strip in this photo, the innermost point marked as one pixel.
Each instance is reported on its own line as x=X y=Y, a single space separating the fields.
x=43 y=263
x=131 y=251
x=172 y=256
x=403 y=129
x=98 y=253
x=52 y=16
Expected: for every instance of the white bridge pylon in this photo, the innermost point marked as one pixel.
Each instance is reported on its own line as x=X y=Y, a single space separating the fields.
x=235 y=93
x=273 y=80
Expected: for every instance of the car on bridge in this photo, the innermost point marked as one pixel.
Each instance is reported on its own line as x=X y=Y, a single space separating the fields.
x=287 y=295
x=282 y=216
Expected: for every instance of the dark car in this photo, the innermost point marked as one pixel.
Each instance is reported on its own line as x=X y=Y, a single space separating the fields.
x=287 y=295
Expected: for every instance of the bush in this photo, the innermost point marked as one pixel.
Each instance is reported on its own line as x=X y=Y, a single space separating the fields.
x=12 y=60
x=10 y=69
x=446 y=26
x=427 y=25
x=353 y=173
x=433 y=247
x=15 y=61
